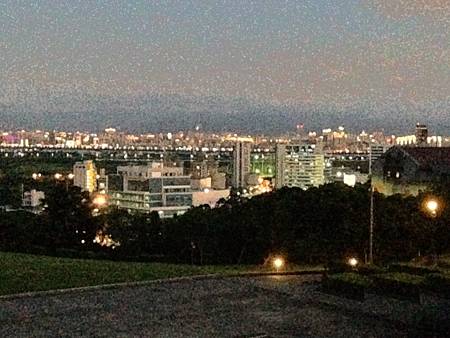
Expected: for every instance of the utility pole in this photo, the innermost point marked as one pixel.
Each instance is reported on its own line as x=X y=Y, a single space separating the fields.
x=21 y=194
x=371 y=210
x=371 y=224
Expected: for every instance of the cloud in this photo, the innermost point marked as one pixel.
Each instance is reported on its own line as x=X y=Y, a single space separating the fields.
x=401 y=9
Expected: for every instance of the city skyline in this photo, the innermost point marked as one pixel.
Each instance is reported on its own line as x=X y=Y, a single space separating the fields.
x=374 y=62
x=225 y=168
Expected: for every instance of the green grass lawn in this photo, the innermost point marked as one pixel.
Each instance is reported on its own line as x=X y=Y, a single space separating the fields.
x=23 y=273
x=402 y=277
x=352 y=278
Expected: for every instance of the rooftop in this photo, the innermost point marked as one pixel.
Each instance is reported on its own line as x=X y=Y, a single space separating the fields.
x=426 y=156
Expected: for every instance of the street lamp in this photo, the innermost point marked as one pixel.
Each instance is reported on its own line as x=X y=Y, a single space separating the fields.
x=371 y=222
x=432 y=206
x=36 y=176
x=353 y=262
x=99 y=200
x=278 y=263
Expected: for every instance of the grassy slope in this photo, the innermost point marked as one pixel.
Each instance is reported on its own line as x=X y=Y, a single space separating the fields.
x=23 y=273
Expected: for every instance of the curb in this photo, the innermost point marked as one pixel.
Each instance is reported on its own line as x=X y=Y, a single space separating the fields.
x=55 y=292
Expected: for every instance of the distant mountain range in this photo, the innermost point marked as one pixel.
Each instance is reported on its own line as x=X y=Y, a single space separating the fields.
x=79 y=110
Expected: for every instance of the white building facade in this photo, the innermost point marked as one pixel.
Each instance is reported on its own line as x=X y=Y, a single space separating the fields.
x=150 y=188
x=33 y=200
x=299 y=165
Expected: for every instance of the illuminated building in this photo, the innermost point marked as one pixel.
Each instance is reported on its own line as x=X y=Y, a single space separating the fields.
x=299 y=165
x=348 y=176
x=85 y=176
x=102 y=181
x=32 y=200
x=421 y=134
x=411 y=140
x=148 y=188
x=420 y=138
x=209 y=197
x=241 y=163
x=263 y=164
x=335 y=140
x=199 y=169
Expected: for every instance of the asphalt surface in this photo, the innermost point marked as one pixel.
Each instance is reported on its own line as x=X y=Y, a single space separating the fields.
x=270 y=306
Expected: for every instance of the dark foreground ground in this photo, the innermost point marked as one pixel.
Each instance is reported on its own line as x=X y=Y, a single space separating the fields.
x=271 y=306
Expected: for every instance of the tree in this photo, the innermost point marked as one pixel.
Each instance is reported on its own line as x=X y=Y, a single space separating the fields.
x=68 y=216
x=138 y=234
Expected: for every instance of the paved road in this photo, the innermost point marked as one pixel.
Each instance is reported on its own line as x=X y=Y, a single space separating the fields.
x=281 y=306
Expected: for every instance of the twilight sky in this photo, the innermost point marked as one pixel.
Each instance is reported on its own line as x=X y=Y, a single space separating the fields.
x=327 y=53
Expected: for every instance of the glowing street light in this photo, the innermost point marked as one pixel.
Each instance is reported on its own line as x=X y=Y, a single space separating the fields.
x=58 y=176
x=353 y=262
x=432 y=206
x=70 y=176
x=34 y=176
x=99 y=200
x=278 y=263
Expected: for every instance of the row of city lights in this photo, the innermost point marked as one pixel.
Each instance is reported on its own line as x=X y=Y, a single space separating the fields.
x=57 y=176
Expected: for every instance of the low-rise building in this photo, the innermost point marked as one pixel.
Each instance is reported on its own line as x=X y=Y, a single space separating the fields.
x=209 y=197
x=348 y=176
x=150 y=188
x=201 y=183
x=409 y=170
x=218 y=181
x=33 y=200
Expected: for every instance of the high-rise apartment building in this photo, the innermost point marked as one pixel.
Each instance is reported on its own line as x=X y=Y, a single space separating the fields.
x=85 y=176
x=299 y=165
x=241 y=163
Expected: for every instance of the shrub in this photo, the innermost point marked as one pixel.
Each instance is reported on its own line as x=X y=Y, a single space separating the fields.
x=444 y=262
x=398 y=285
x=354 y=278
x=337 y=267
x=349 y=285
x=411 y=269
x=439 y=283
x=370 y=270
